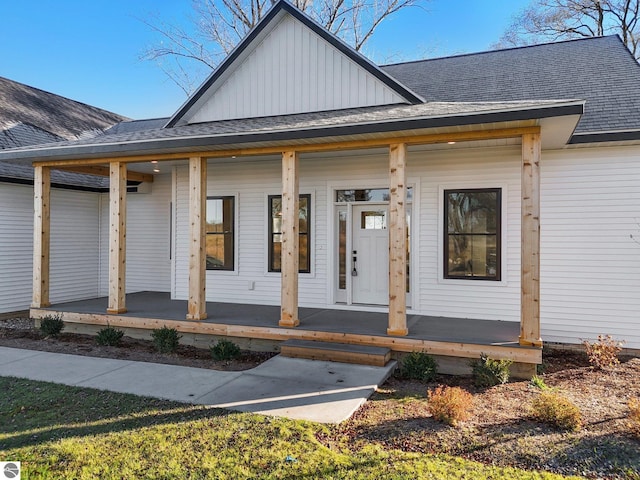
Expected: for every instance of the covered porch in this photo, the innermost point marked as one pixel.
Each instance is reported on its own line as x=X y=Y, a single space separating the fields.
x=443 y=337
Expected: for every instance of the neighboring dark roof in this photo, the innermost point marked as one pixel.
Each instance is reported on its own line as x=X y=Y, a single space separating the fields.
x=599 y=70
x=280 y=6
x=58 y=115
x=354 y=121
x=30 y=116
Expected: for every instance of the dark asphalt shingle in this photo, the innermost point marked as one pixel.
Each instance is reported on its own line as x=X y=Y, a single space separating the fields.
x=599 y=70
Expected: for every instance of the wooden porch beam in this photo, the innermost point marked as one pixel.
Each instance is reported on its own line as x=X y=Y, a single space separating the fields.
x=41 y=236
x=117 y=237
x=197 y=305
x=530 y=281
x=397 y=241
x=425 y=139
x=102 y=171
x=290 y=248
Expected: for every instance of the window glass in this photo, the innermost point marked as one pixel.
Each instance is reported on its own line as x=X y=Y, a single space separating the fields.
x=368 y=195
x=275 y=233
x=220 y=233
x=472 y=243
x=373 y=220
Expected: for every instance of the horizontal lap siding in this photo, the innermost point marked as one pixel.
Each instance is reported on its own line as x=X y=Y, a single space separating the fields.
x=590 y=267
x=75 y=229
x=467 y=168
x=16 y=247
x=148 y=239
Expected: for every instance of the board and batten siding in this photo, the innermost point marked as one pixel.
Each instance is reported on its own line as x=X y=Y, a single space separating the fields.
x=590 y=265
x=293 y=70
x=148 y=239
x=74 y=246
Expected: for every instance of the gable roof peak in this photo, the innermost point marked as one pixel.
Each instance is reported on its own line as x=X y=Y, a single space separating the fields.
x=250 y=42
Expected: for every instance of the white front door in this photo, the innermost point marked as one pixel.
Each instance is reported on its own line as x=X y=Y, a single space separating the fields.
x=370 y=255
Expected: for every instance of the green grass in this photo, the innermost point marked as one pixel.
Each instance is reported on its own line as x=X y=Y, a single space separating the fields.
x=66 y=432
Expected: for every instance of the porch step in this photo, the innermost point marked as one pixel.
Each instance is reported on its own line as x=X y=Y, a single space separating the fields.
x=336 y=352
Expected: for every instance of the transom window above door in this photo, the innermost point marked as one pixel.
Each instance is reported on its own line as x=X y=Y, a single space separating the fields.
x=367 y=195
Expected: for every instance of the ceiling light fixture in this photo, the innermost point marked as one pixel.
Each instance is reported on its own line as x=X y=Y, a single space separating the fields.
x=154 y=161
x=451 y=143
x=156 y=170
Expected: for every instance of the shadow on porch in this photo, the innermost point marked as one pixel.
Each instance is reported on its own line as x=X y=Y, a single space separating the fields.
x=442 y=336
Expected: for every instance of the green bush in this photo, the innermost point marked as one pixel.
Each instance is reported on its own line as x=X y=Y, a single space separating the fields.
x=166 y=340
x=538 y=382
x=109 y=336
x=418 y=366
x=557 y=410
x=488 y=372
x=225 y=350
x=51 y=325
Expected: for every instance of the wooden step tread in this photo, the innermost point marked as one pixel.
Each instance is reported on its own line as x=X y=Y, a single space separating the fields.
x=336 y=352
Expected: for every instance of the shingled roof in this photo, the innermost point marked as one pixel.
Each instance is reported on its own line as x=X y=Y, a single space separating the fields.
x=30 y=116
x=600 y=70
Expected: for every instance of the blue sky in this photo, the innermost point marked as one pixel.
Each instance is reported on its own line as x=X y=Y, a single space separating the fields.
x=89 y=50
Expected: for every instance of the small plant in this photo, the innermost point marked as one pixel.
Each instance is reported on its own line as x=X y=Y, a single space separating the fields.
x=51 y=325
x=603 y=353
x=634 y=415
x=418 y=366
x=225 y=350
x=488 y=372
x=109 y=336
x=450 y=405
x=557 y=410
x=538 y=382
x=166 y=340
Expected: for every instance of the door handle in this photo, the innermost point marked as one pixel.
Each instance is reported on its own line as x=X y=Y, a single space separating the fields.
x=354 y=271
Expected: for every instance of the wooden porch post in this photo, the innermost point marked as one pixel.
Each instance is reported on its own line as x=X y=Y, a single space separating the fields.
x=117 y=237
x=397 y=241
x=197 y=307
x=530 y=272
x=41 y=236
x=290 y=240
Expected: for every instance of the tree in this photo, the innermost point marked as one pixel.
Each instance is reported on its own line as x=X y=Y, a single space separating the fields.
x=551 y=20
x=220 y=25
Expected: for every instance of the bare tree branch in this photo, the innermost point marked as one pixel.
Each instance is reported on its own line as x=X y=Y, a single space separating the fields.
x=221 y=24
x=550 y=20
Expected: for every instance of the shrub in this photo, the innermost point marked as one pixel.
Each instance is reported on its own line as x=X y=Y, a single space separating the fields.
x=634 y=415
x=604 y=352
x=109 y=336
x=450 y=404
x=166 y=340
x=225 y=350
x=488 y=372
x=418 y=366
x=538 y=382
x=51 y=325
x=557 y=410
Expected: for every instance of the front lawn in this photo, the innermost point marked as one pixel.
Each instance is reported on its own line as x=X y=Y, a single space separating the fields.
x=67 y=432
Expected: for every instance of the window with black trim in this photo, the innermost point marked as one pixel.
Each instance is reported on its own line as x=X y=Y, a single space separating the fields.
x=472 y=246
x=275 y=233
x=220 y=233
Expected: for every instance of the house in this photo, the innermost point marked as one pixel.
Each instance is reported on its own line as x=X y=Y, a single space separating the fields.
x=29 y=116
x=461 y=205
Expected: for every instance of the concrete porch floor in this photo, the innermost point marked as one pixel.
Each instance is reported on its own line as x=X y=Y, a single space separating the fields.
x=452 y=340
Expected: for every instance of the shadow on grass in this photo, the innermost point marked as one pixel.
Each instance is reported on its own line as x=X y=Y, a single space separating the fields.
x=33 y=412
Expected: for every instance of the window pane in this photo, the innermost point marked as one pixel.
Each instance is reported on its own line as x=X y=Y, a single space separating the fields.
x=275 y=237
x=472 y=212
x=367 y=195
x=342 y=250
x=373 y=220
x=473 y=234
x=220 y=236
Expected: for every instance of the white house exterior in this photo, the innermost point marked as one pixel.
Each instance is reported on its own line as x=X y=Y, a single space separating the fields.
x=294 y=113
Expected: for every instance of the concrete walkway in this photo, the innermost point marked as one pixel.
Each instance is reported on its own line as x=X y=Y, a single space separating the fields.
x=326 y=392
